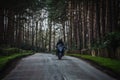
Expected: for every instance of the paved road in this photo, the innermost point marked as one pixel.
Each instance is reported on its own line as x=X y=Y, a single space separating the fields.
x=48 y=67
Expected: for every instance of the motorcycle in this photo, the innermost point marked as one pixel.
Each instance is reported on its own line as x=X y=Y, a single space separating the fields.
x=60 y=52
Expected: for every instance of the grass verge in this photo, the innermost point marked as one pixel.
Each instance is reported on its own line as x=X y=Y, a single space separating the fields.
x=7 y=61
x=106 y=63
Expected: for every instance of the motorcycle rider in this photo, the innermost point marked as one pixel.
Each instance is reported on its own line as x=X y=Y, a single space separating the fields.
x=60 y=42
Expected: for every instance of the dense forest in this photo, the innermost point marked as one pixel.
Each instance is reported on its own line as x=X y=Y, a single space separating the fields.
x=86 y=26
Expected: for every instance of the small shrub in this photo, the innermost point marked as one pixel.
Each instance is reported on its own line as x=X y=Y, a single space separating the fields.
x=9 y=51
x=112 y=40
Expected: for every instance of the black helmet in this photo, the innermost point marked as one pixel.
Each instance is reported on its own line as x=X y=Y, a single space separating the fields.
x=60 y=40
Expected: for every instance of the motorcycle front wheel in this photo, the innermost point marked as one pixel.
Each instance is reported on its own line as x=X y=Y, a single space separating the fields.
x=59 y=56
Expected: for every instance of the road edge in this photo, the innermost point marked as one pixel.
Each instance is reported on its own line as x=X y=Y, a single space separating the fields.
x=101 y=68
x=12 y=64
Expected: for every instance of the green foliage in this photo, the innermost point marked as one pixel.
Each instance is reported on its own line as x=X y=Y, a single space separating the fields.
x=26 y=46
x=97 y=45
x=106 y=62
x=11 y=51
x=112 y=40
x=8 y=51
x=54 y=50
x=5 y=59
x=56 y=10
x=20 y=4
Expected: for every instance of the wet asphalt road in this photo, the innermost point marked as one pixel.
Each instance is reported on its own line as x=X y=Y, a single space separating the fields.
x=48 y=67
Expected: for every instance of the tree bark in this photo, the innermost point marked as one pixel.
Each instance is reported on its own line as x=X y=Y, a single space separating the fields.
x=1 y=26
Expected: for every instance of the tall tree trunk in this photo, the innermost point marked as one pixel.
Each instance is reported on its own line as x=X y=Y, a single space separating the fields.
x=84 y=24
x=54 y=37
x=103 y=15
x=98 y=19
x=108 y=16
x=81 y=25
x=70 y=28
x=78 y=26
x=116 y=13
x=10 y=29
x=36 y=34
x=63 y=25
x=33 y=33
x=1 y=26
x=19 y=36
x=50 y=33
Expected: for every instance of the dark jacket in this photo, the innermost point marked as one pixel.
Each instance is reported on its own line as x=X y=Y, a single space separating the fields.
x=60 y=42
